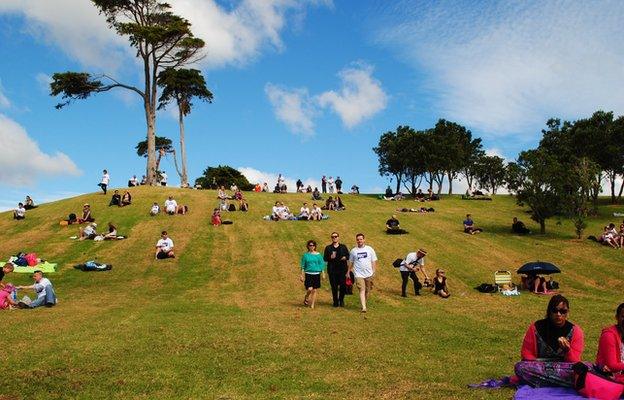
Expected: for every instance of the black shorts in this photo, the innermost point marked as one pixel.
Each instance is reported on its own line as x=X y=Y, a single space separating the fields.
x=162 y=255
x=312 y=281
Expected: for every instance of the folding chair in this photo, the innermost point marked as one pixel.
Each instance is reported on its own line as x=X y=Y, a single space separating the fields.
x=501 y=278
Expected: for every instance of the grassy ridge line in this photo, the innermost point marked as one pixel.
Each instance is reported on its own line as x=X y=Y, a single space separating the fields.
x=223 y=320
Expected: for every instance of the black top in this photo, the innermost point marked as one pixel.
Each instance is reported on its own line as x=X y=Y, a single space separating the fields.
x=336 y=265
x=389 y=192
x=550 y=333
x=338 y=184
x=393 y=223
x=1 y=274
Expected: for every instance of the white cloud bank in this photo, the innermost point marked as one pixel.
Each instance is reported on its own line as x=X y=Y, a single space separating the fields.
x=360 y=97
x=255 y=176
x=234 y=35
x=505 y=67
x=22 y=160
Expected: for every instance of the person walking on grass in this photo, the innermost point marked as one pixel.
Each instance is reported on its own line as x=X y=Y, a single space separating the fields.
x=363 y=263
x=336 y=255
x=312 y=266
x=105 y=181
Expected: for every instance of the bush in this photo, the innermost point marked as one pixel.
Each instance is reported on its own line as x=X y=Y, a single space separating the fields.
x=223 y=175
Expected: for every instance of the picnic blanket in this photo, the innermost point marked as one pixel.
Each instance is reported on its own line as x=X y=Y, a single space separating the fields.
x=44 y=267
x=546 y=393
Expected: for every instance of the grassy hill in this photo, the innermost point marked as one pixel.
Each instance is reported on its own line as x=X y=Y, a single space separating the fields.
x=224 y=320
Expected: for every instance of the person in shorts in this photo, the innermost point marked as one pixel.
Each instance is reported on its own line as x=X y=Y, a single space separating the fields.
x=363 y=263
x=312 y=265
x=164 y=247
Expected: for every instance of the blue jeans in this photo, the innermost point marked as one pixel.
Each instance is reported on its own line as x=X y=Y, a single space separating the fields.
x=48 y=300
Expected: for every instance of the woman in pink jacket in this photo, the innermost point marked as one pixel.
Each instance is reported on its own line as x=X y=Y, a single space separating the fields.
x=611 y=349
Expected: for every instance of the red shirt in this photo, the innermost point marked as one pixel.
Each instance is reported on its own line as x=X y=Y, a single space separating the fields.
x=610 y=351
x=529 y=345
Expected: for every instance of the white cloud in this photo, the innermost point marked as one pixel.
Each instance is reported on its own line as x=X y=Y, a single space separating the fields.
x=293 y=107
x=44 y=81
x=22 y=161
x=4 y=101
x=506 y=67
x=255 y=176
x=360 y=97
x=233 y=36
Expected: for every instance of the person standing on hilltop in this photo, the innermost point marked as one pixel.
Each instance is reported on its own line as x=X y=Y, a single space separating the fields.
x=330 y=184
x=324 y=184
x=338 y=185
x=105 y=181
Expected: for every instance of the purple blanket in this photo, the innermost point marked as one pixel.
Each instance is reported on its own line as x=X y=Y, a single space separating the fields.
x=546 y=393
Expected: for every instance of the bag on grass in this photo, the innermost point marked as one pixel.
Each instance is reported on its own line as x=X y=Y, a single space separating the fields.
x=594 y=385
x=397 y=263
x=232 y=207
x=486 y=288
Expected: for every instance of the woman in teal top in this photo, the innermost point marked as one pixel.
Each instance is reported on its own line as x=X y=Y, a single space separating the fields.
x=312 y=265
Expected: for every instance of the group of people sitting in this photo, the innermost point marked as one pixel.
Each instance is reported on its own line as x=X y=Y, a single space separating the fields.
x=422 y=210
x=418 y=196
x=89 y=232
x=334 y=204
x=120 y=200
x=41 y=286
x=281 y=212
x=171 y=207
x=86 y=216
x=225 y=205
x=261 y=188
x=552 y=350
x=612 y=237
x=19 y=212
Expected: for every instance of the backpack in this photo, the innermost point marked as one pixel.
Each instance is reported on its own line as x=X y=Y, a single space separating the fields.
x=232 y=207
x=486 y=288
x=397 y=263
x=552 y=285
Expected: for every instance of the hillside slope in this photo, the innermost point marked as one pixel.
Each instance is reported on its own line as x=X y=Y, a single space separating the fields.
x=224 y=319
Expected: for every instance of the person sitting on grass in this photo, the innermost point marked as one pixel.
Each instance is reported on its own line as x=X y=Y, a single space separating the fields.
x=182 y=209
x=238 y=195
x=316 y=195
x=86 y=214
x=519 y=227
x=338 y=204
x=112 y=232
x=29 y=204
x=309 y=189
x=243 y=205
x=610 y=356
x=355 y=190
x=116 y=199
x=171 y=206
x=316 y=214
x=132 y=182
x=469 y=226
x=221 y=195
x=6 y=300
x=312 y=265
x=550 y=348
x=164 y=247
x=392 y=226
x=216 y=217
x=19 y=212
x=45 y=292
x=329 y=204
x=608 y=238
x=126 y=199
x=389 y=195
x=6 y=269
x=304 y=212
x=155 y=210
x=88 y=232
x=440 y=286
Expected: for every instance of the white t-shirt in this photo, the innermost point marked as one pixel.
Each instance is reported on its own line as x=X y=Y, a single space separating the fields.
x=410 y=259
x=163 y=178
x=317 y=211
x=165 y=245
x=304 y=212
x=40 y=287
x=362 y=259
x=105 y=179
x=20 y=211
x=155 y=209
x=171 y=205
x=89 y=230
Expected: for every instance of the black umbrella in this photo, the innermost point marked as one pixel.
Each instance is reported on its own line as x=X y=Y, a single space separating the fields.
x=539 y=268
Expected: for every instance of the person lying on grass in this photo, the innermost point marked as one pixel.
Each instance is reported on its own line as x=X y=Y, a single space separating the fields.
x=440 y=286
x=312 y=265
x=6 y=269
x=469 y=227
x=550 y=348
x=88 y=232
x=610 y=356
x=19 y=212
x=164 y=247
x=45 y=292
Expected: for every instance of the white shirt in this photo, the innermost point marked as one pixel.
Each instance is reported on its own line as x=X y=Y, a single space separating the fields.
x=155 y=209
x=362 y=259
x=165 y=245
x=171 y=205
x=411 y=259
x=40 y=287
x=163 y=177
x=317 y=211
x=105 y=180
x=20 y=211
x=304 y=212
x=89 y=230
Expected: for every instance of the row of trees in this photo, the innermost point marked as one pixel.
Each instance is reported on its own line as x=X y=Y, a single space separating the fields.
x=563 y=176
x=164 y=45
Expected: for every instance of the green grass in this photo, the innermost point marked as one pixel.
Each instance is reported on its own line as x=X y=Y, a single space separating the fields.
x=224 y=320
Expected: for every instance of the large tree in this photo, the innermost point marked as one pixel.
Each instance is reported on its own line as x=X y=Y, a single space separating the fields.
x=181 y=86
x=391 y=156
x=490 y=172
x=161 y=40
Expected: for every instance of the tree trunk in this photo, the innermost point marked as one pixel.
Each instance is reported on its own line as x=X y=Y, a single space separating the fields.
x=152 y=166
x=184 y=176
x=542 y=223
x=399 y=178
x=612 y=176
x=621 y=190
x=450 y=179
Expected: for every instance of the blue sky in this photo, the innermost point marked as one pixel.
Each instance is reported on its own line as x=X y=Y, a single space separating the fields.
x=303 y=88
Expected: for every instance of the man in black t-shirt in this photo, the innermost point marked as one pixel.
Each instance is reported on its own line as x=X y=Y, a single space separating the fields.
x=338 y=185
x=392 y=226
x=336 y=255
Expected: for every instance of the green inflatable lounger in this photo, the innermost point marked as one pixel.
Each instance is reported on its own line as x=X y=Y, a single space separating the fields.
x=45 y=267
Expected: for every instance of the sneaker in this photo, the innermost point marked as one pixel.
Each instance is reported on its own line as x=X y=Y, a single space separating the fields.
x=22 y=305
x=363 y=310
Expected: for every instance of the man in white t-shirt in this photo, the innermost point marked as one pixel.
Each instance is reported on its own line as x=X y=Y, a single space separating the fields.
x=171 y=206
x=414 y=262
x=304 y=212
x=163 y=179
x=363 y=263
x=19 y=212
x=164 y=247
x=44 y=289
x=330 y=184
x=105 y=181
